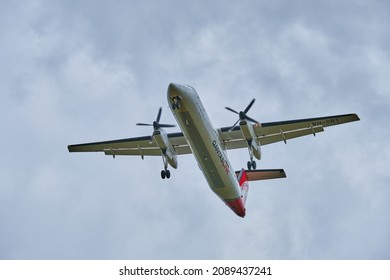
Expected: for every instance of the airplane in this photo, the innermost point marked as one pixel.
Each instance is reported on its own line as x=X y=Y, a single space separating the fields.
x=209 y=145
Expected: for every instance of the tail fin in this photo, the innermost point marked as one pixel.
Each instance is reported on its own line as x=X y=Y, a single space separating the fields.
x=243 y=181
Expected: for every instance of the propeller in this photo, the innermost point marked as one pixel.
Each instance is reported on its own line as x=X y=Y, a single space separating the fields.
x=242 y=114
x=156 y=124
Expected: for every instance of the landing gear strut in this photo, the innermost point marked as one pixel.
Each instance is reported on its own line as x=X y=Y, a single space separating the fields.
x=165 y=173
x=251 y=163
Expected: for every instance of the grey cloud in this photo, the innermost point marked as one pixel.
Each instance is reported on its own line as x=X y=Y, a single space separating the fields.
x=85 y=71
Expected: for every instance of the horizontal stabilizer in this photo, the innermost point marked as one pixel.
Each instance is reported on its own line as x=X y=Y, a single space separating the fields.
x=263 y=174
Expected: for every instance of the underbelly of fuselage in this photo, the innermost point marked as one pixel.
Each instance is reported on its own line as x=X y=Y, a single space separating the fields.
x=209 y=156
x=203 y=139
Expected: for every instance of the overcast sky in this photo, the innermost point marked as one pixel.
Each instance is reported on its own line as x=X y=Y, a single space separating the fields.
x=81 y=71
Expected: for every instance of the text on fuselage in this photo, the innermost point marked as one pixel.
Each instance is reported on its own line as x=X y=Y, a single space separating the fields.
x=326 y=122
x=221 y=157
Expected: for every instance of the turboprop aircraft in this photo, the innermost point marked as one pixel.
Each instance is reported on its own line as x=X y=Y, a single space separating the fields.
x=209 y=145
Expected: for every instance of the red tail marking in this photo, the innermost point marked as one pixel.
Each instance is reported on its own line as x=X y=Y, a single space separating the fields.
x=244 y=178
x=244 y=185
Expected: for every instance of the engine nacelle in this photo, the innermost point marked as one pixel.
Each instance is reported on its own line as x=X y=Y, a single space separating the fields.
x=256 y=148
x=171 y=156
x=166 y=147
x=250 y=136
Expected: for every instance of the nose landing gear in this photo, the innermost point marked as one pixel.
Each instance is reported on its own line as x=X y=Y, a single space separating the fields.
x=175 y=102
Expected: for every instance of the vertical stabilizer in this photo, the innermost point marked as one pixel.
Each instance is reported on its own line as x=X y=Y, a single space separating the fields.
x=243 y=181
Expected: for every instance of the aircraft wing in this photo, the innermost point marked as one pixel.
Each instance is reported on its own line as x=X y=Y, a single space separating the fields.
x=141 y=146
x=266 y=133
x=272 y=132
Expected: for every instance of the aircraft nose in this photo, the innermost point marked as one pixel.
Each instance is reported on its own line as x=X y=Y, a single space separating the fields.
x=175 y=89
x=179 y=95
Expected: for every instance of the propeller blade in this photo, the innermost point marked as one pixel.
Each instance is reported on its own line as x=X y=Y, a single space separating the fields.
x=249 y=106
x=159 y=115
x=250 y=119
x=234 y=125
x=167 y=125
x=156 y=124
x=144 y=124
x=231 y=110
x=242 y=114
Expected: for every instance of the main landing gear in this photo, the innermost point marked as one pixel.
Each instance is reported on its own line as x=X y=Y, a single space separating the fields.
x=251 y=163
x=165 y=173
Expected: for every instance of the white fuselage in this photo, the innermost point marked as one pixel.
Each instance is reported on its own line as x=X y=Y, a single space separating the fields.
x=205 y=145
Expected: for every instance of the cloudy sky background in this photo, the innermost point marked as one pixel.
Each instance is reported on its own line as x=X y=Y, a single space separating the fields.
x=81 y=71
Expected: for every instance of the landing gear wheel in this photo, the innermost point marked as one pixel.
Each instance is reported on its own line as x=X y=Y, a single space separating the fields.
x=165 y=174
x=251 y=164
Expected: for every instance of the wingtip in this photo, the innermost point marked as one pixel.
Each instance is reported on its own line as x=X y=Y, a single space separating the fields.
x=357 y=117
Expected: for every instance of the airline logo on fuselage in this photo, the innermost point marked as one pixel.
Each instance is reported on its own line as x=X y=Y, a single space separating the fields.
x=221 y=157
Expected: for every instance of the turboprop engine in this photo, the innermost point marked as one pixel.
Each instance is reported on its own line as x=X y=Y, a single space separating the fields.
x=166 y=147
x=246 y=127
x=159 y=135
